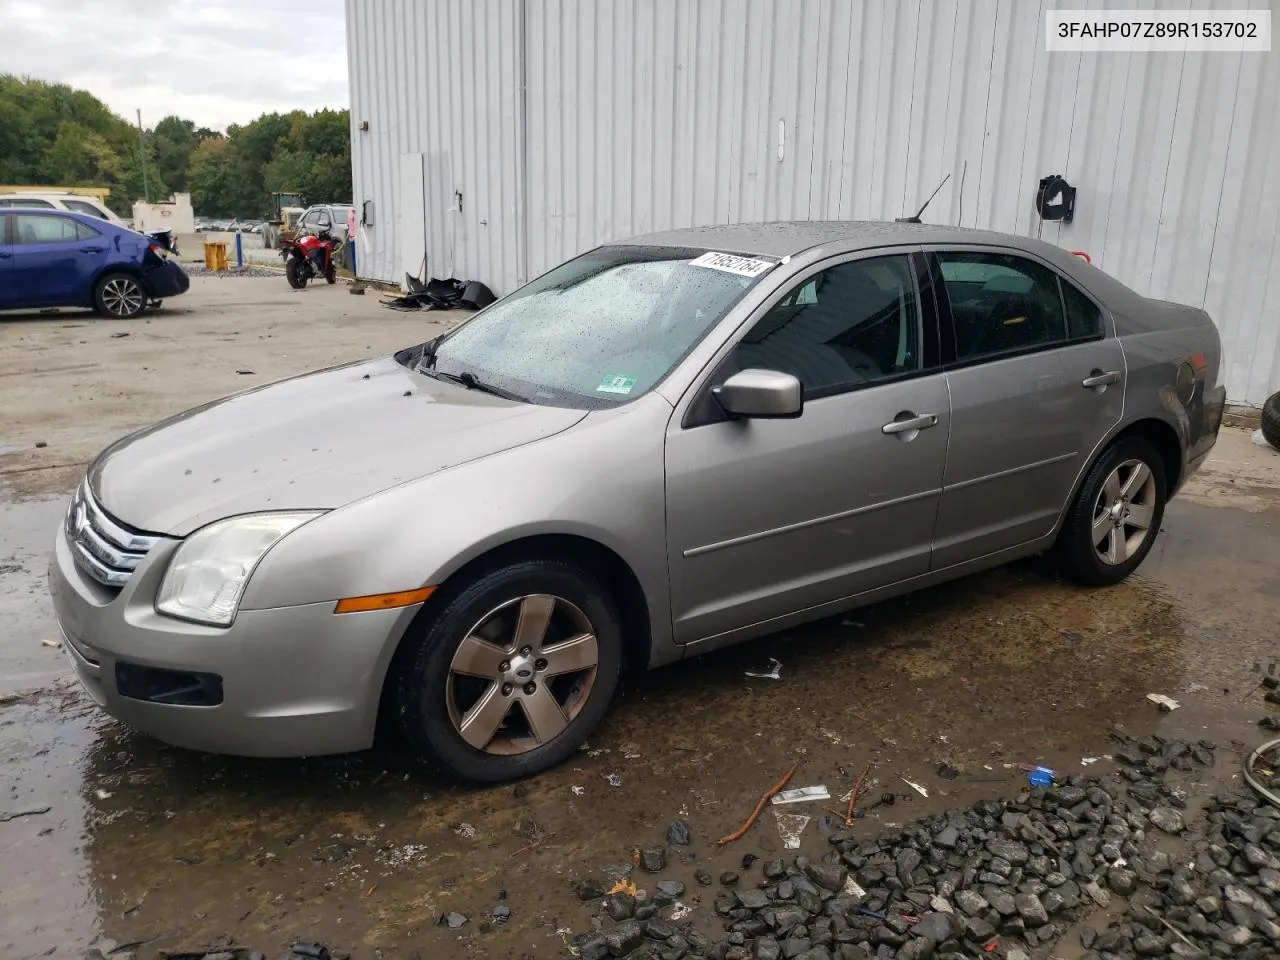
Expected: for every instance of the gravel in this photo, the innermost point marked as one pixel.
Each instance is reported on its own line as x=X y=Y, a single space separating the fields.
x=1014 y=873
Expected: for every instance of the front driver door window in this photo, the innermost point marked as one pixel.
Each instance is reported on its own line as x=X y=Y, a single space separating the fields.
x=46 y=258
x=767 y=517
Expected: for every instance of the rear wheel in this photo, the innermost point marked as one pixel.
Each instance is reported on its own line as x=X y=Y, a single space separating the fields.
x=119 y=296
x=1114 y=519
x=1271 y=420
x=296 y=272
x=331 y=274
x=512 y=673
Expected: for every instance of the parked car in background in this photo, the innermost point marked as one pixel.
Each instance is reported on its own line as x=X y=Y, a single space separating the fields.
x=60 y=201
x=330 y=217
x=50 y=258
x=659 y=448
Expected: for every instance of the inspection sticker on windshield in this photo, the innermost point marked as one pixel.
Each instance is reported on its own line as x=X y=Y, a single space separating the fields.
x=616 y=384
x=742 y=266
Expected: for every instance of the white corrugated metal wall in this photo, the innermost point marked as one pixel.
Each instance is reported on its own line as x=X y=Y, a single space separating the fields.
x=641 y=115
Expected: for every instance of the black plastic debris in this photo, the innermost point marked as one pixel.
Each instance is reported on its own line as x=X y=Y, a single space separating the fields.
x=438 y=294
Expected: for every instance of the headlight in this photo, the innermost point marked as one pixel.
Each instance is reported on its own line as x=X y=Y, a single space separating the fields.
x=207 y=576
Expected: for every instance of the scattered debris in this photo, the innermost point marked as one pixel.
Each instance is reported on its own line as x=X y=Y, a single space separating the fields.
x=916 y=787
x=1167 y=704
x=103 y=794
x=245 y=372
x=625 y=885
x=1010 y=878
x=801 y=795
x=790 y=826
x=1040 y=777
x=464 y=830
x=679 y=912
x=54 y=644
x=33 y=812
x=678 y=833
x=453 y=921
x=947 y=772
x=41 y=444
x=441 y=295
x=119 y=333
x=615 y=779
x=765 y=798
x=773 y=673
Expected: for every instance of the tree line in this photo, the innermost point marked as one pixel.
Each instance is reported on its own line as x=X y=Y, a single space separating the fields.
x=53 y=134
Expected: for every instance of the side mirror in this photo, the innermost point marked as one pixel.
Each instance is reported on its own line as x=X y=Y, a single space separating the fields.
x=761 y=394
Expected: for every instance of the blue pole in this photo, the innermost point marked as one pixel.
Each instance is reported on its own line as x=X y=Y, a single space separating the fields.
x=355 y=274
x=239 y=251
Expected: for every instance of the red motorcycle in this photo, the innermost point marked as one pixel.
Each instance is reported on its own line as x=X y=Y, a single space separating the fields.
x=308 y=257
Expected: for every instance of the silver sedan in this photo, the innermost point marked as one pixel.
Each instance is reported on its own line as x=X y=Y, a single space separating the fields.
x=661 y=447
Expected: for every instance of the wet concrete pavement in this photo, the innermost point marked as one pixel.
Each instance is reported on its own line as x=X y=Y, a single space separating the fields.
x=143 y=842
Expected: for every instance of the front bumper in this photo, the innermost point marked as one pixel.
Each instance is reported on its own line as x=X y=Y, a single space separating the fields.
x=167 y=280
x=294 y=681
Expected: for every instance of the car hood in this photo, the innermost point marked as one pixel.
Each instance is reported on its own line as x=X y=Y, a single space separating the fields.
x=316 y=441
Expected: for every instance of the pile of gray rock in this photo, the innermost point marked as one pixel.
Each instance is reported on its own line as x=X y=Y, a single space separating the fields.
x=1005 y=878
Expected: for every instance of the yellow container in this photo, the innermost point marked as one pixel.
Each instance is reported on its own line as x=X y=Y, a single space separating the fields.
x=215 y=256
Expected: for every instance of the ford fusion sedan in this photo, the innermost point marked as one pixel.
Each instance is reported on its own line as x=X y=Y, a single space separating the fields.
x=659 y=448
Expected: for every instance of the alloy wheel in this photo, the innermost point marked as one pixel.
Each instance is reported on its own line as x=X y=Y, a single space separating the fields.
x=521 y=674
x=1123 y=512
x=122 y=297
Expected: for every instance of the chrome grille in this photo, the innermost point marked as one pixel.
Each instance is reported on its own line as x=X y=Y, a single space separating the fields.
x=104 y=550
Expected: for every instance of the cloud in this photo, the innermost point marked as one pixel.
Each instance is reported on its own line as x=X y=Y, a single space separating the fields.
x=213 y=63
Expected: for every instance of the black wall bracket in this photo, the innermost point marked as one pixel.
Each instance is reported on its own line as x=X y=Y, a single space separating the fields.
x=1056 y=199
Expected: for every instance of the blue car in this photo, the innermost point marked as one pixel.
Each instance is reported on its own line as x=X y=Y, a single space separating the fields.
x=55 y=258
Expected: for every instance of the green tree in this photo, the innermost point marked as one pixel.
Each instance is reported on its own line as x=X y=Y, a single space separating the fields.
x=55 y=135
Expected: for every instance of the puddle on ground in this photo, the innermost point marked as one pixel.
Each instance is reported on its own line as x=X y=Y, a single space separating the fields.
x=148 y=842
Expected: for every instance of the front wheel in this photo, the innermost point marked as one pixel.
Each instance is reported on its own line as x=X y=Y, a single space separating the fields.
x=295 y=270
x=119 y=296
x=1113 y=521
x=331 y=274
x=512 y=673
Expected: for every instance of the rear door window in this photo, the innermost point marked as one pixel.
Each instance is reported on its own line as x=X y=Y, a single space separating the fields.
x=38 y=229
x=1084 y=319
x=1001 y=304
x=83 y=206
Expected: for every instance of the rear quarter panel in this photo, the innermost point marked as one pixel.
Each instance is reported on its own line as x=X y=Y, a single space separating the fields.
x=1158 y=338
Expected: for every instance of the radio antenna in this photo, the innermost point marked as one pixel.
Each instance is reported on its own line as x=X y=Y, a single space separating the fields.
x=916 y=218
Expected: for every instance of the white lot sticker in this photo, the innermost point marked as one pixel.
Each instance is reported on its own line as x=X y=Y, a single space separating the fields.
x=742 y=266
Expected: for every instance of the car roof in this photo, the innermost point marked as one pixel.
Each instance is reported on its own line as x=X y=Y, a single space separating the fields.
x=790 y=237
x=86 y=218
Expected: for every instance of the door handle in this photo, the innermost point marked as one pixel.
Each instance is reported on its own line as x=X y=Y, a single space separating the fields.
x=5 y=254
x=1097 y=378
x=912 y=423
x=92 y=249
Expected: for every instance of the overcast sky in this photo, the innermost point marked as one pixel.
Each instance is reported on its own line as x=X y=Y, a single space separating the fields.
x=212 y=61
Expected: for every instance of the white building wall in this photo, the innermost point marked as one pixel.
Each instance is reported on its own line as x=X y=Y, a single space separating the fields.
x=567 y=123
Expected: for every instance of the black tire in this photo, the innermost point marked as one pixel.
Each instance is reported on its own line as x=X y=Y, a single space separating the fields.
x=421 y=685
x=119 y=296
x=1271 y=420
x=1076 y=553
x=331 y=275
x=296 y=272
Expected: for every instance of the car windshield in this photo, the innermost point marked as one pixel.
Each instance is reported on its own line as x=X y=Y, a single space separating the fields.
x=596 y=331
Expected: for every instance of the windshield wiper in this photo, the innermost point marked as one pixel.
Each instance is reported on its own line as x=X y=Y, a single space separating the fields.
x=472 y=382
